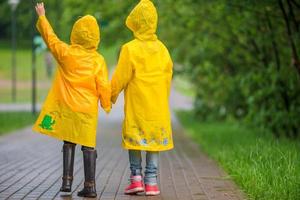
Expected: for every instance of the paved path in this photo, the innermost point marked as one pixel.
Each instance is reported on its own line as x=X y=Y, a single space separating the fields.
x=31 y=166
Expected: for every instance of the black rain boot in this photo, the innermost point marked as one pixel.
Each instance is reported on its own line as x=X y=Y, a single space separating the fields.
x=68 y=165
x=89 y=162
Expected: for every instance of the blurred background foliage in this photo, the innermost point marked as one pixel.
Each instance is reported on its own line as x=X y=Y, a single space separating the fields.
x=241 y=57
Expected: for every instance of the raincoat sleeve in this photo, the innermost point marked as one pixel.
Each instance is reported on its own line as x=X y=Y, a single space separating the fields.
x=122 y=74
x=55 y=45
x=103 y=87
x=169 y=74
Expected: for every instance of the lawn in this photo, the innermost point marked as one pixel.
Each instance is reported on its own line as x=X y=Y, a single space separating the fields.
x=23 y=62
x=182 y=84
x=110 y=54
x=23 y=66
x=23 y=95
x=264 y=167
x=10 y=121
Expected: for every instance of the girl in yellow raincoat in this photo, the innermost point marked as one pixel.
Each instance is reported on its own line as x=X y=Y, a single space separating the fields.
x=70 y=111
x=144 y=72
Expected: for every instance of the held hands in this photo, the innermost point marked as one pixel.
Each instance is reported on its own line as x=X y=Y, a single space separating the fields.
x=40 y=9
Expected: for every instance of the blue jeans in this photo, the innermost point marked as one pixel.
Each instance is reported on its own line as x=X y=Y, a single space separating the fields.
x=135 y=160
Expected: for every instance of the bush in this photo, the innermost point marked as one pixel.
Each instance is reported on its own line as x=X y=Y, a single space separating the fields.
x=239 y=56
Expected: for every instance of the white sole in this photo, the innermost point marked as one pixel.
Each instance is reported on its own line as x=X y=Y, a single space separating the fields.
x=135 y=190
x=152 y=193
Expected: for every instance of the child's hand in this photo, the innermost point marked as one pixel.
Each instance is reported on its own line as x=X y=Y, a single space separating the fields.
x=39 y=8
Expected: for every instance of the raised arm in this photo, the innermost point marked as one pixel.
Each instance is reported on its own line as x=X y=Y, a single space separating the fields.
x=122 y=74
x=55 y=45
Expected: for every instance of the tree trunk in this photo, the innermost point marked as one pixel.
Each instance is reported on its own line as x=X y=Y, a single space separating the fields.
x=296 y=23
x=295 y=58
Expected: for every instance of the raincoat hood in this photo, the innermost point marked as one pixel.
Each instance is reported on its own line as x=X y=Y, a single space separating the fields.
x=86 y=33
x=142 y=20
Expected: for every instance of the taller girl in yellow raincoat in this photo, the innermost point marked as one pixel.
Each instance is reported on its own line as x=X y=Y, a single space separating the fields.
x=144 y=72
x=70 y=111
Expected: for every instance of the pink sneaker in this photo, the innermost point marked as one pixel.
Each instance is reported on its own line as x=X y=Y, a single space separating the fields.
x=152 y=190
x=135 y=186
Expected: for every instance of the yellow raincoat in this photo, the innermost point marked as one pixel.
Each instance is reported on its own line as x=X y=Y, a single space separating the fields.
x=70 y=111
x=144 y=71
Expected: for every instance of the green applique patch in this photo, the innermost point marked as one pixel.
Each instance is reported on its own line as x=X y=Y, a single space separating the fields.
x=47 y=123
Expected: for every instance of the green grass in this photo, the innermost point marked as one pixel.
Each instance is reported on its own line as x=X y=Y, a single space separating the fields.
x=23 y=60
x=23 y=64
x=264 y=167
x=10 y=121
x=184 y=86
x=23 y=95
x=110 y=54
